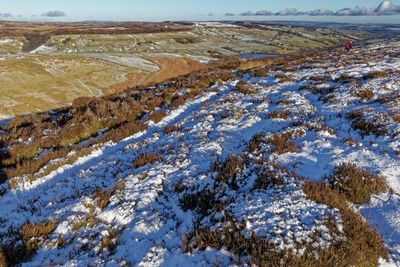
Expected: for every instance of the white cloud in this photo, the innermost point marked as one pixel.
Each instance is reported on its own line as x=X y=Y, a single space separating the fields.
x=54 y=13
x=289 y=12
x=263 y=13
x=384 y=8
x=5 y=15
x=321 y=12
x=247 y=13
x=229 y=14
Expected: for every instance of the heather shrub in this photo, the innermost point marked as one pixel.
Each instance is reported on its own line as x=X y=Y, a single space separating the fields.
x=282 y=143
x=229 y=169
x=177 y=101
x=244 y=88
x=170 y=129
x=355 y=184
x=279 y=114
x=358 y=122
x=146 y=158
x=375 y=75
x=363 y=245
x=365 y=94
x=255 y=142
x=157 y=116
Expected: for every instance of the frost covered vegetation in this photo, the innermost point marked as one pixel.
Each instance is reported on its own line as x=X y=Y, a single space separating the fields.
x=284 y=161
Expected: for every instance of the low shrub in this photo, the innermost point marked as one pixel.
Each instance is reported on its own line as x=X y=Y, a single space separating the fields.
x=146 y=158
x=358 y=122
x=229 y=170
x=355 y=184
x=267 y=178
x=157 y=116
x=365 y=94
x=279 y=114
x=375 y=75
x=282 y=143
x=363 y=245
x=177 y=101
x=244 y=88
x=255 y=142
x=170 y=129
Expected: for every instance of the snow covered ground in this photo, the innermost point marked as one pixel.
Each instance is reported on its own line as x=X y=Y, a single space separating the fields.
x=148 y=210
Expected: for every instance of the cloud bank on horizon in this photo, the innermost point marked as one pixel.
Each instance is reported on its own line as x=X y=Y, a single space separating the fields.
x=54 y=14
x=384 y=8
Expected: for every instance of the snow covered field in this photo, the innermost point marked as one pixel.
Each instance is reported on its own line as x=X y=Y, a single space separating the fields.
x=136 y=202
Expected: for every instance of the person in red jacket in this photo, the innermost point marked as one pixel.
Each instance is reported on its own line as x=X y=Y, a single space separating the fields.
x=349 y=46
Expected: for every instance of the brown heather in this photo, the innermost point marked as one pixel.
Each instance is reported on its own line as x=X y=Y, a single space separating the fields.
x=282 y=143
x=24 y=242
x=170 y=129
x=365 y=94
x=358 y=122
x=229 y=169
x=146 y=158
x=244 y=88
x=375 y=75
x=117 y=115
x=256 y=142
x=355 y=184
x=364 y=246
x=157 y=116
x=279 y=114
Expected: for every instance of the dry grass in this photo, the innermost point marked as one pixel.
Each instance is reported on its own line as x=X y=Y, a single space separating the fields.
x=355 y=184
x=110 y=241
x=101 y=197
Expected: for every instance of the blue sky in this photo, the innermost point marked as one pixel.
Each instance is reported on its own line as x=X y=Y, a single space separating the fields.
x=159 y=10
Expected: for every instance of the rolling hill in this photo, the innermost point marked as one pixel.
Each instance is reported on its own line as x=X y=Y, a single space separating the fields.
x=290 y=160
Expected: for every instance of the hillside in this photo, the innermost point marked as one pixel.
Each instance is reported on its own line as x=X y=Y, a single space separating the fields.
x=45 y=66
x=286 y=160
